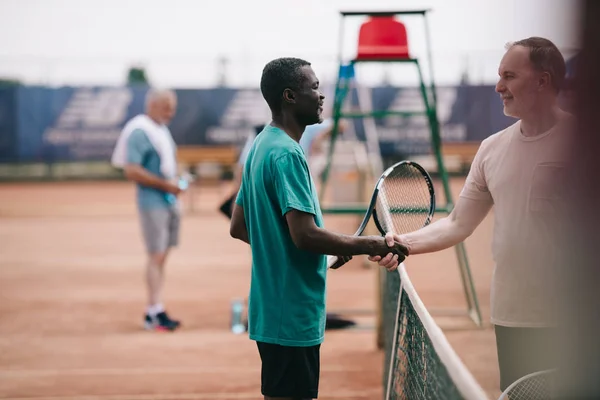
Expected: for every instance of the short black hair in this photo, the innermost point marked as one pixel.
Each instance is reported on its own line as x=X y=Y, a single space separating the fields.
x=278 y=75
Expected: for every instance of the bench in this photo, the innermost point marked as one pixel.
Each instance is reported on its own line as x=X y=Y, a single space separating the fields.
x=192 y=155
x=463 y=151
x=206 y=163
x=214 y=159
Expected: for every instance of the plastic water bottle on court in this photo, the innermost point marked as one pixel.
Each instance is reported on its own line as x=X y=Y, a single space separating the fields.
x=237 y=310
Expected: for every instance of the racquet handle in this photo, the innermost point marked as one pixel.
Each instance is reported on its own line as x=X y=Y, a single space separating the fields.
x=331 y=260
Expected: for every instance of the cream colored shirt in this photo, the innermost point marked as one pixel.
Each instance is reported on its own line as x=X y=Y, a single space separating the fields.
x=520 y=176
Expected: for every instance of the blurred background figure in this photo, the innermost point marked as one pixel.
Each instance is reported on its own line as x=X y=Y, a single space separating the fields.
x=580 y=319
x=147 y=153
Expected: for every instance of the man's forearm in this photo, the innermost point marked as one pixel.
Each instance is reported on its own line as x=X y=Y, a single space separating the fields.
x=322 y=241
x=146 y=178
x=439 y=235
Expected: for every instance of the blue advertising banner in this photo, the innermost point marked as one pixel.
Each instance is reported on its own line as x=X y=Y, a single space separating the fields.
x=82 y=124
x=8 y=124
x=70 y=124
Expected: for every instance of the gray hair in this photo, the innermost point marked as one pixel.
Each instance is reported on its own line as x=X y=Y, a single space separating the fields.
x=158 y=94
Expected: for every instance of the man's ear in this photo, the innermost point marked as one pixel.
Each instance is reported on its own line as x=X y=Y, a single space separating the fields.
x=289 y=96
x=545 y=80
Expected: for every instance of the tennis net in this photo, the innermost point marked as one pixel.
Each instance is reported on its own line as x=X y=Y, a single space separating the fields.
x=419 y=362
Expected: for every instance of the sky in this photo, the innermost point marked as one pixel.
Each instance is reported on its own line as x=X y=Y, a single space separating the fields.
x=180 y=42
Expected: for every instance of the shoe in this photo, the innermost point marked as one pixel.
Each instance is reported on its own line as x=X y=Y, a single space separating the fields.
x=160 y=322
x=334 y=321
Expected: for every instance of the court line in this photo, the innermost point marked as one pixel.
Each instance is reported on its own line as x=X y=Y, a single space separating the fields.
x=194 y=396
x=25 y=373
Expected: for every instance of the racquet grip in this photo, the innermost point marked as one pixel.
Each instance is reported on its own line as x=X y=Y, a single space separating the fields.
x=331 y=260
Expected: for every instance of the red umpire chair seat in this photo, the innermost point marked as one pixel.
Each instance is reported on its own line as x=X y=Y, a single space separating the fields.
x=382 y=37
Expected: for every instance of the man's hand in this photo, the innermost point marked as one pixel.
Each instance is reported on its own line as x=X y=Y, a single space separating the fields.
x=139 y=174
x=172 y=188
x=391 y=260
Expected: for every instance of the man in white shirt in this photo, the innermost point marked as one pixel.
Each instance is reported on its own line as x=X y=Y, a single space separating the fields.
x=518 y=171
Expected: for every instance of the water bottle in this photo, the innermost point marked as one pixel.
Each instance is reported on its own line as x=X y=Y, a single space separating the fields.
x=237 y=309
x=183 y=183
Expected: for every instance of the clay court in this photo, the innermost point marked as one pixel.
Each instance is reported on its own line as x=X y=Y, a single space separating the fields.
x=72 y=298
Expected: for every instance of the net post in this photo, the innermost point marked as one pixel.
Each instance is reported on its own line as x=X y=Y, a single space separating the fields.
x=468 y=285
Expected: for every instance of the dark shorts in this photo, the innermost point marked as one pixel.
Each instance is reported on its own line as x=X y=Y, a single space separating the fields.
x=522 y=351
x=289 y=371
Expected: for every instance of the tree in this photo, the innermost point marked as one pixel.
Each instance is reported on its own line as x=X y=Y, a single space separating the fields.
x=9 y=82
x=137 y=76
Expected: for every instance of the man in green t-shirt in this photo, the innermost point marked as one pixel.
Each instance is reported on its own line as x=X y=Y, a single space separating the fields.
x=277 y=212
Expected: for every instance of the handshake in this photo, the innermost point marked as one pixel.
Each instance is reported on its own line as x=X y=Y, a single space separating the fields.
x=388 y=252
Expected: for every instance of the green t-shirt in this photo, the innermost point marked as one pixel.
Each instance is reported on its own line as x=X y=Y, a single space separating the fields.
x=287 y=288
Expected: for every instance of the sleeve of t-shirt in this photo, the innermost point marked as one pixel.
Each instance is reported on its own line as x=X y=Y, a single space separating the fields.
x=239 y=200
x=476 y=187
x=292 y=184
x=136 y=147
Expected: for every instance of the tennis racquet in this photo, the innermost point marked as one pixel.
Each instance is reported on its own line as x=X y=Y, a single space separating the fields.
x=403 y=201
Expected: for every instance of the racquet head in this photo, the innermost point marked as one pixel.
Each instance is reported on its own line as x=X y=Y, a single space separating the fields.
x=405 y=199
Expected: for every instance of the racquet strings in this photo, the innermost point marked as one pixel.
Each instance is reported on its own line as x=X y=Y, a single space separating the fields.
x=404 y=200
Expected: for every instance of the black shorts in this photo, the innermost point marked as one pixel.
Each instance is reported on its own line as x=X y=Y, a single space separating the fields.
x=522 y=351
x=289 y=371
